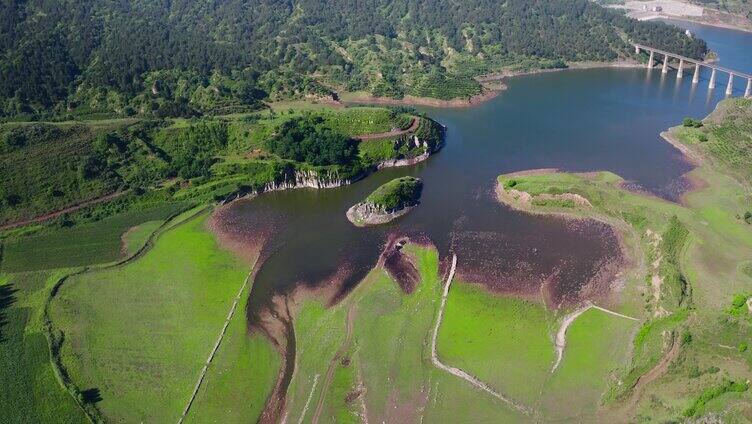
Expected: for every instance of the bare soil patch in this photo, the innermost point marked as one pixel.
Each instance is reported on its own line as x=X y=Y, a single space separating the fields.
x=394 y=133
x=400 y=266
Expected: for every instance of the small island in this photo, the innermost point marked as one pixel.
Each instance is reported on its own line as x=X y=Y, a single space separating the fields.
x=386 y=203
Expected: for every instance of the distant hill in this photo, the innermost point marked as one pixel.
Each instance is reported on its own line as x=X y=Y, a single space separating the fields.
x=90 y=58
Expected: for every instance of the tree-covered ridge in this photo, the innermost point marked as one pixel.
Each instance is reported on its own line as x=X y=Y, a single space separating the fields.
x=182 y=58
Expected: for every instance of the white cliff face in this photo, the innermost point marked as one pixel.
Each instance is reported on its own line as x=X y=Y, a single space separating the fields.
x=363 y=214
x=392 y=163
x=308 y=179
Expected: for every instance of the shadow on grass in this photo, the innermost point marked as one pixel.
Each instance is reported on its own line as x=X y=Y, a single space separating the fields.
x=7 y=299
x=91 y=395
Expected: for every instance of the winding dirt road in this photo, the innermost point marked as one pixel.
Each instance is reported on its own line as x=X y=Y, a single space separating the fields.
x=59 y=212
x=413 y=127
x=658 y=370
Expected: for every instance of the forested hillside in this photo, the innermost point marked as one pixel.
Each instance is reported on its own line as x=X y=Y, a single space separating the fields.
x=90 y=58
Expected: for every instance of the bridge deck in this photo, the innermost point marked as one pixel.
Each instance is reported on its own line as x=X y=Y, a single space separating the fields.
x=688 y=59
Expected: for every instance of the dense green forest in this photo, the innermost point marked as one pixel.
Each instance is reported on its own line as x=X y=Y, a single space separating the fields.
x=84 y=58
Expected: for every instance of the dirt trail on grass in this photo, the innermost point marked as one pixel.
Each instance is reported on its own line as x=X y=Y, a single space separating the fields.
x=59 y=212
x=216 y=347
x=561 y=335
x=308 y=401
x=333 y=363
x=654 y=373
x=413 y=127
x=456 y=371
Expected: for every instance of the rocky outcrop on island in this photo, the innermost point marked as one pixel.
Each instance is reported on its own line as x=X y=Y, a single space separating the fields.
x=388 y=202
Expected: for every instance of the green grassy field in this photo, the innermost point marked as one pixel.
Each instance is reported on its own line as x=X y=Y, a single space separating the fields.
x=505 y=342
x=594 y=356
x=240 y=377
x=387 y=374
x=183 y=282
x=83 y=244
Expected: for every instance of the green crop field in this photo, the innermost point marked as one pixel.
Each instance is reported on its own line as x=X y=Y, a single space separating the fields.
x=83 y=244
x=184 y=281
x=30 y=390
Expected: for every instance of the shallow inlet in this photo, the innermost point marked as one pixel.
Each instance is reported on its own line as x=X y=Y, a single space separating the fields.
x=596 y=119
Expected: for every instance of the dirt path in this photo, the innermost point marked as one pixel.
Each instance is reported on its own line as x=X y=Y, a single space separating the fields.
x=216 y=347
x=561 y=335
x=308 y=401
x=59 y=212
x=333 y=363
x=456 y=371
x=413 y=127
x=658 y=370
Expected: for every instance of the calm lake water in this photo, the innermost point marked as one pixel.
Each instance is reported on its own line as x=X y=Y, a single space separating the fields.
x=579 y=120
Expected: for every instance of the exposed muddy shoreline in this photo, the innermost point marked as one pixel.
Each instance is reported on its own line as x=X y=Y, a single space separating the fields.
x=598 y=286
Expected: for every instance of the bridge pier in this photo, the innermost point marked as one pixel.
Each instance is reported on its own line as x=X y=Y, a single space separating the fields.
x=664 y=70
x=711 y=84
x=650 y=61
x=748 y=91
x=680 y=72
x=730 y=85
x=696 y=76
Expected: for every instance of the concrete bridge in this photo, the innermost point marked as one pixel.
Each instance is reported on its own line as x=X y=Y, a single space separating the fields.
x=667 y=56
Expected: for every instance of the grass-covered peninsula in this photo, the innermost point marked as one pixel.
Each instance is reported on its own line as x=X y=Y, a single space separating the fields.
x=388 y=202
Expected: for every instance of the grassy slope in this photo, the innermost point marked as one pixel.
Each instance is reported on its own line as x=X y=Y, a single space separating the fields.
x=190 y=285
x=50 y=163
x=135 y=238
x=719 y=242
x=396 y=193
x=30 y=390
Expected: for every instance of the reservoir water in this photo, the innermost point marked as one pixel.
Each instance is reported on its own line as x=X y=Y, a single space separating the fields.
x=578 y=120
